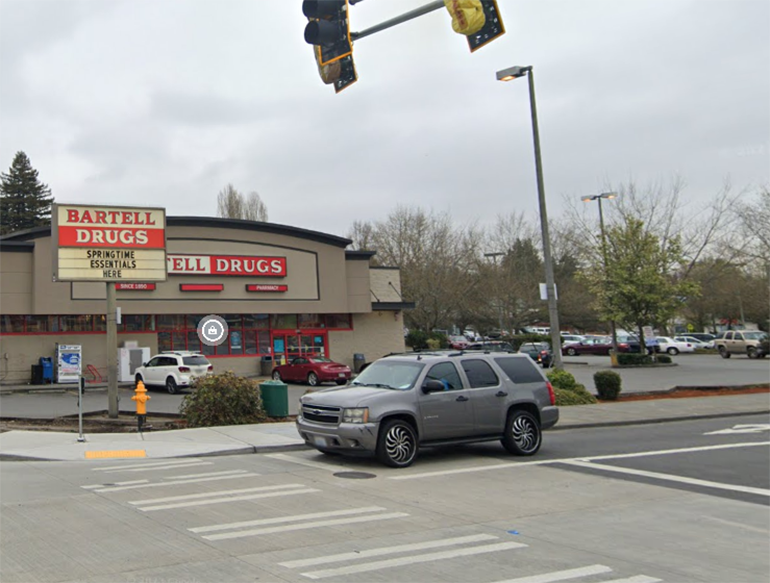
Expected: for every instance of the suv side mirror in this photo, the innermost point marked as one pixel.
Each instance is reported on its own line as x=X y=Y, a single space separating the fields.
x=144 y=364
x=432 y=386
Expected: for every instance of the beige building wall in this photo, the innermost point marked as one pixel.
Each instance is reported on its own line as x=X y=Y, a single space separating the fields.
x=16 y=292
x=25 y=350
x=374 y=335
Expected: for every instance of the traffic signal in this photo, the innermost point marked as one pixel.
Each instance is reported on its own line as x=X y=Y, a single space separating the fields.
x=328 y=29
x=493 y=26
x=478 y=20
x=341 y=73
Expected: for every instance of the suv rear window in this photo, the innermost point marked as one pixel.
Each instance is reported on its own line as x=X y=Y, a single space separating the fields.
x=195 y=360
x=480 y=374
x=520 y=370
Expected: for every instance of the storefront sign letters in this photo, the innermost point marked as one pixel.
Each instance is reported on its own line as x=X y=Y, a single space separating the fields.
x=232 y=265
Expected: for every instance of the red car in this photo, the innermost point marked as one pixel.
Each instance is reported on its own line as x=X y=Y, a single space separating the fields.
x=588 y=346
x=458 y=342
x=313 y=370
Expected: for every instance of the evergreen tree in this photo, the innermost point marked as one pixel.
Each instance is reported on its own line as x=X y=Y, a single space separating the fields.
x=25 y=202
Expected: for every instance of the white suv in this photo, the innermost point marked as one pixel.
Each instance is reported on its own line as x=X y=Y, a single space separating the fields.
x=173 y=370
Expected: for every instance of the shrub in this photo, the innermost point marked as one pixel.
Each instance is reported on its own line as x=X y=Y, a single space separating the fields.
x=441 y=339
x=633 y=358
x=608 y=384
x=562 y=379
x=434 y=343
x=576 y=396
x=222 y=399
x=664 y=359
x=417 y=339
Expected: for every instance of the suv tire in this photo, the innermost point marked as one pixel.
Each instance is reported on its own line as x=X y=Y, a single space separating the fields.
x=522 y=433
x=397 y=444
x=138 y=380
x=723 y=352
x=171 y=386
x=752 y=352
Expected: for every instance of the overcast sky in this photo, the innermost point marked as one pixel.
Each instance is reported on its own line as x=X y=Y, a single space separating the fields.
x=164 y=102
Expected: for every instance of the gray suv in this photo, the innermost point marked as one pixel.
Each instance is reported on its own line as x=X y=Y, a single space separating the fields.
x=403 y=402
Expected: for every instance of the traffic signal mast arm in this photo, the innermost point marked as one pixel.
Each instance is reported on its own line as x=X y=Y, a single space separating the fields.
x=412 y=14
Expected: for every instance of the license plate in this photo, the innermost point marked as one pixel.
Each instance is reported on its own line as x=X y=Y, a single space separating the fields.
x=341 y=374
x=319 y=441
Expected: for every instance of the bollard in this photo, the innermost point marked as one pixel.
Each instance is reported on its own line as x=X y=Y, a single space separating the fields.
x=141 y=399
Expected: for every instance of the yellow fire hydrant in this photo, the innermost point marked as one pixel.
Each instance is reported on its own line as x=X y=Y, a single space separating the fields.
x=141 y=399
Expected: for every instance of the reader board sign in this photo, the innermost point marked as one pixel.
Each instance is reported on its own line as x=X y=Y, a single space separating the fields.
x=108 y=243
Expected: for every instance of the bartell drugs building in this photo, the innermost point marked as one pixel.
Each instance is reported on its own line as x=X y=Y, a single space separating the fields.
x=283 y=291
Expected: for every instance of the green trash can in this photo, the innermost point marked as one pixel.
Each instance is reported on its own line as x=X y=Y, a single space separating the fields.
x=275 y=398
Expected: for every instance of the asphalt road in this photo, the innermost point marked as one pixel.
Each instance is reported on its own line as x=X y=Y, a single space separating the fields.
x=690 y=370
x=684 y=502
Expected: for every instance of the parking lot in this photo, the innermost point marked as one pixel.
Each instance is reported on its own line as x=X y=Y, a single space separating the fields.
x=691 y=370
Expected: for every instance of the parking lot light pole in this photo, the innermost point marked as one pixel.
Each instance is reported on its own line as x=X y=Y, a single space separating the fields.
x=599 y=197
x=553 y=312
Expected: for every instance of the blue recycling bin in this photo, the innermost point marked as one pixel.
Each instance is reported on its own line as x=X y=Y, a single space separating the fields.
x=47 y=363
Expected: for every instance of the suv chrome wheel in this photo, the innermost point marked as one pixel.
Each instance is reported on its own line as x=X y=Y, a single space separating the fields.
x=397 y=444
x=522 y=433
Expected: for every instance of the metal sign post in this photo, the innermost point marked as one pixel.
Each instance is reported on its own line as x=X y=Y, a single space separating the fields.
x=81 y=388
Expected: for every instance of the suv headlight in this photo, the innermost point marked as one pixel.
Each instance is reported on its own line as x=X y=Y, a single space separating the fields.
x=358 y=415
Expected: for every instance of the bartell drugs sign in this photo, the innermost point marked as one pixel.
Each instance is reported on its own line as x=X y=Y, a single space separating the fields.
x=230 y=265
x=107 y=243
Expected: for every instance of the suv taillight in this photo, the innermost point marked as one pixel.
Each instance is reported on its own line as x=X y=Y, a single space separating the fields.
x=551 y=394
x=211 y=368
x=184 y=369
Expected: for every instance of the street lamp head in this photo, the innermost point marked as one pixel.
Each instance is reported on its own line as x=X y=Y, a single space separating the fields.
x=609 y=195
x=588 y=198
x=512 y=73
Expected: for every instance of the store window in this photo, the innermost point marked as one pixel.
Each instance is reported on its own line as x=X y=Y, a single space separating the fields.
x=77 y=323
x=284 y=321
x=10 y=324
x=132 y=323
x=338 y=321
x=37 y=324
x=311 y=321
x=256 y=321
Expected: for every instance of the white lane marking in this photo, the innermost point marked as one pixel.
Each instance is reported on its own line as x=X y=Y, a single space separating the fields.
x=317 y=465
x=149 y=464
x=173 y=482
x=561 y=575
x=433 y=544
x=509 y=465
x=401 y=561
x=204 y=475
x=215 y=493
x=671 y=478
x=317 y=524
x=165 y=467
x=225 y=500
x=754 y=428
x=92 y=486
x=739 y=525
x=295 y=518
x=635 y=579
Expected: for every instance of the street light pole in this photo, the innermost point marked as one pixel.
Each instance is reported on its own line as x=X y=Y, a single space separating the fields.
x=599 y=197
x=553 y=311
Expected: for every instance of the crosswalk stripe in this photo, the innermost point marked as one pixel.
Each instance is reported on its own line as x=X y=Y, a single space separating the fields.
x=295 y=518
x=163 y=467
x=149 y=464
x=224 y=473
x=434 y=544
x=215 y=493
x=290 y=527
x=635 y=579
x=562 y=575
x=92 y=486
x=228 y=499
x=414 y=559
x=175 y=482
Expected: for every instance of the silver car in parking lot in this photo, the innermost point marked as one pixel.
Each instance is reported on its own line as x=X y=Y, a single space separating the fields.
x=401 y=403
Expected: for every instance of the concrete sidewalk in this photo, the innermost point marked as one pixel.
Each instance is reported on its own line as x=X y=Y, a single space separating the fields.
x=267 y=437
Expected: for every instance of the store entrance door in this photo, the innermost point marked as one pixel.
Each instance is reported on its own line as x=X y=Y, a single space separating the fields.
x=289 y=345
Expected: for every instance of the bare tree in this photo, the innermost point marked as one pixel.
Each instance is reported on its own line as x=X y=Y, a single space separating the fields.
x=232 y=204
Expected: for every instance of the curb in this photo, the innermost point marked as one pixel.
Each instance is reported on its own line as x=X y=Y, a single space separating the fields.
x=653 y=421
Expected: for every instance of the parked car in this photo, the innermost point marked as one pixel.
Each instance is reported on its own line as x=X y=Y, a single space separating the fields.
x=740 y=342
x=490 y=346
x=702 y=336
x=697 y=343
x=458 y=342
x=571 y=338
x=631 y=344
x=540 y=352
x=313 y=370
x=587 y=346
x=405 y=402
x=173 y=370
x=673 y=346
